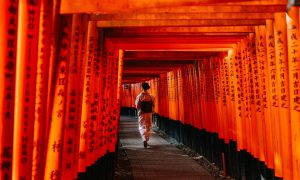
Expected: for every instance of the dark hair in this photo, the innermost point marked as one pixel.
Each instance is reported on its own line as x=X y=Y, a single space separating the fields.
x=145 y=86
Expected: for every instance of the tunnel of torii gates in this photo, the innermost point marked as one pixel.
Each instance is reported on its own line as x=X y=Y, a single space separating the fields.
x=225 y=74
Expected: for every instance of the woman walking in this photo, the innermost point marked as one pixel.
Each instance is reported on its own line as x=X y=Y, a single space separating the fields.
x=145 y=106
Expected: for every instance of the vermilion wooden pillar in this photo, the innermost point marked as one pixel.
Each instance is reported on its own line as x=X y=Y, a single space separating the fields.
x=87 y=98
x=265 y=96
x=259 y=89
x=197 y=121
x=225 y=98
x=232 y=84
x=28 y=28
x=119 y=88
x=280 y=32
x=92 y=49
x=238 y=104
x=196 y=98
x=242 y=106
x=56 y=125
x=103 y=93
x=8 y=51
x=294 y=85
x=98 y=51
x=74 y=97
x=117 y=69
x=42 y=89
x=204 y=68
x=222 y=100
x=114 y=102
x=229 y=87
x=217 y=117
x=180 y=96
x=163 y=95
x=248 y=73
x=170 y=78
x=283 y=87
x=54 y=41
x=274 y=96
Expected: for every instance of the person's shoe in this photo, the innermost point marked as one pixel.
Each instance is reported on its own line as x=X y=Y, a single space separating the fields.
x=145 y=144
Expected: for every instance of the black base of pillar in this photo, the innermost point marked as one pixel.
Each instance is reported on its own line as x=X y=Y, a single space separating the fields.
x=238 y=164
x=102 y=169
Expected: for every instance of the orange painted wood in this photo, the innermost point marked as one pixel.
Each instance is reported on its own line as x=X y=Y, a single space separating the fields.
x=174 y=46
x=274 y=97
x=241 y=131
x=102 y=92
x=54 y=39
x=179 y=16
x=74 y=99
x=156 y=6
x=87 y=99
x=232 y=99
x=245 y=85
x=232 y=77
x=180 y=31
x=265 y=96
x=24 y=109
x=293 y=36
x=41 y=100
x=56 y=125
x=8 y=53
x=167 y=55
x=217 y=117
x=280 y=31
x=177 y=23
x=115 y=102
x=258 y=87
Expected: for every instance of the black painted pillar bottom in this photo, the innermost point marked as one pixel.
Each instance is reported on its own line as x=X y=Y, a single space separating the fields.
x=239 y=165
x=102 y=169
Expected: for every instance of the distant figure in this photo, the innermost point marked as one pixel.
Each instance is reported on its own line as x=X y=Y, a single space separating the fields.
x=145 y=105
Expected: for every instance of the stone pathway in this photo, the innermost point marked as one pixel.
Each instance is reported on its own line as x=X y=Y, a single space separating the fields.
x=160 y=161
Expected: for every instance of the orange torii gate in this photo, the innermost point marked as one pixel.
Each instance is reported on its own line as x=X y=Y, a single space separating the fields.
x=250 y=94
x=229 y=69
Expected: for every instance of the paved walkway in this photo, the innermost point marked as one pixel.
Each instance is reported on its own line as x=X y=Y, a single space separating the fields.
x=160 y=161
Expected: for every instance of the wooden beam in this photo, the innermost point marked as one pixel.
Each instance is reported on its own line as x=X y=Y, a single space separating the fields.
x=149 y=30
x=175 y=34
x=146 y=72
x=140 y=75
x=156 y=64
x=167 y=55
x=207 y=43
x=182 y=46
x=108 y=6
x=180 y=16
x=257 y=2
x=177 y=40
x=162 y=67
x=146 y=68
x=130 y=81
x=139 y=78
x=178 y=23
x=217 y=44
x=179 y=31
x=220 y=8
x=134 y=80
